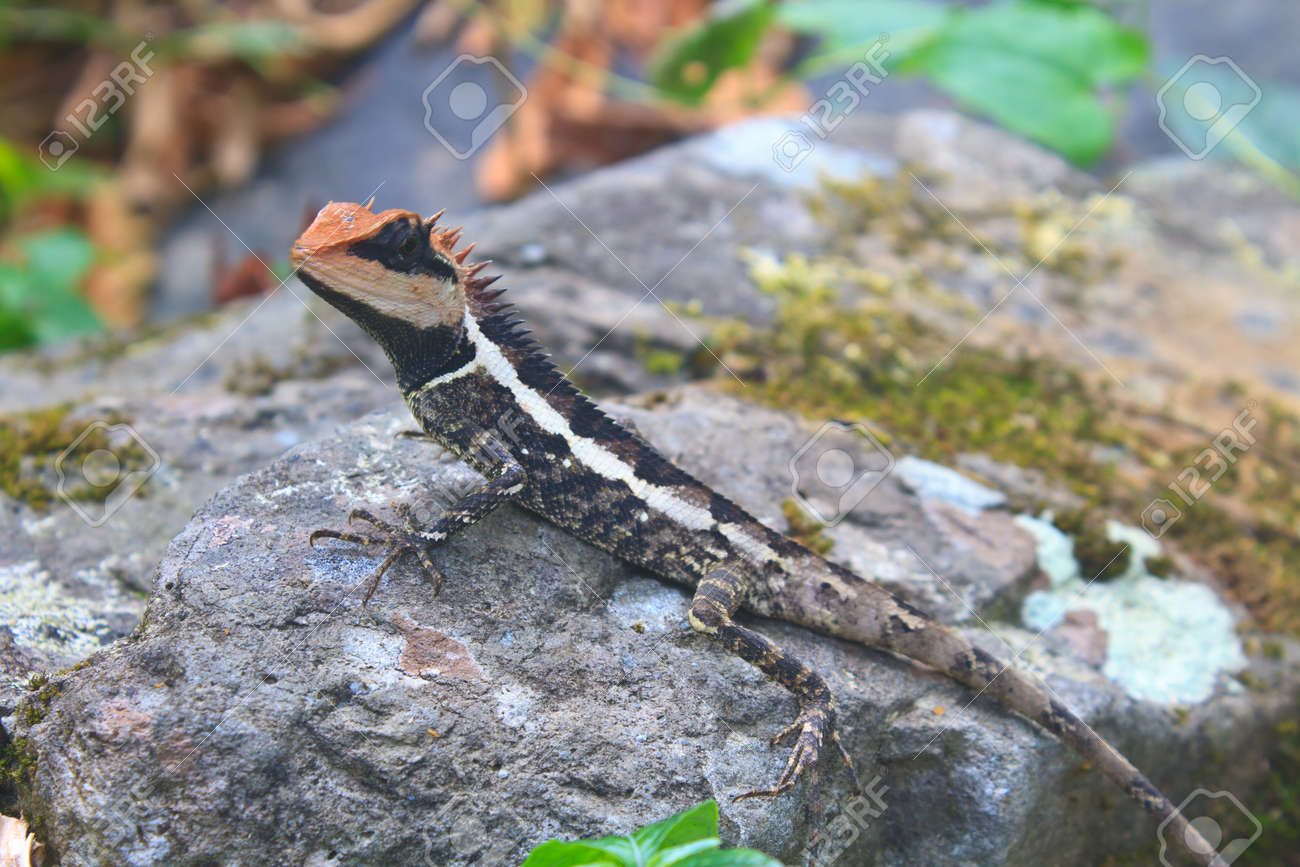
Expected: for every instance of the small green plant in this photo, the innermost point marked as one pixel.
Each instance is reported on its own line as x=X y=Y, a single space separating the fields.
x=39 y=300
x=1055 y=71
x=689 y=839
x=40 y=270
x=1045 y=69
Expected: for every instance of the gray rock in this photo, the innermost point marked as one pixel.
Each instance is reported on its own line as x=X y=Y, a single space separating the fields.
x=261 y=714
x=334 y=754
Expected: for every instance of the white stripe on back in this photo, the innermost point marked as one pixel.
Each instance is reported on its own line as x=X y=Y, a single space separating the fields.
x=588 y=451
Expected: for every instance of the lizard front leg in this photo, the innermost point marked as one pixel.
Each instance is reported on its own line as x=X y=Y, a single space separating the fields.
x=716 y=600
x=505 y=479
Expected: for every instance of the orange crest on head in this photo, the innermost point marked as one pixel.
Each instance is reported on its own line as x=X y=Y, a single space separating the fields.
x=341 y=224
x=391 y=263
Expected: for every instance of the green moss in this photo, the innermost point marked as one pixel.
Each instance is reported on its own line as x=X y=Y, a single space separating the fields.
x=31 y=442
x=849 y=342
x=17 y=767
x=870 y=360
x=664 y=362
x=805 y=530
x=257 y=374
x=1160 y=566
x=1280 y=815
x=41 y=692
x=1051 y=232
x=75 y=667
x=1100 y=558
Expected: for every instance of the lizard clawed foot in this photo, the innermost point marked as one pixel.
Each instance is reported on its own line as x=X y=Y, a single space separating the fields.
x=399 y=540
x=814 y=725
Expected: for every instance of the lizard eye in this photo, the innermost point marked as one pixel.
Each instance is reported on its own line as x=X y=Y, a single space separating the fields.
x=407 y=247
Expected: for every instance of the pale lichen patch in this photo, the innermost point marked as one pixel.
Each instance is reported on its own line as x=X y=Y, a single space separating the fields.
x=1168 y=641
x=42 y=615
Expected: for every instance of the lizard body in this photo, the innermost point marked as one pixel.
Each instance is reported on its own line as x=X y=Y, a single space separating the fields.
x=480 y=387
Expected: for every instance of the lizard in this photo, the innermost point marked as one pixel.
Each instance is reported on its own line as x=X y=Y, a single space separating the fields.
x=464 y=361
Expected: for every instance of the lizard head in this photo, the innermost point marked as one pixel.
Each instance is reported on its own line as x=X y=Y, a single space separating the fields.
x=386 y=266
x=392 y=273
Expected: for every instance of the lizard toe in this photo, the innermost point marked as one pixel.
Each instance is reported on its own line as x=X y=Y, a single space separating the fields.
x=399 y=542
x=813 y=725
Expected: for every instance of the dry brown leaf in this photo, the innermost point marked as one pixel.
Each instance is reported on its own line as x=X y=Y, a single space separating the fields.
x=436 y=23
x=18 y=846
x=247 y=278
x=235 y=146
x=570 y=121
x=348 y=31
x=119 y=280
x=479 y=37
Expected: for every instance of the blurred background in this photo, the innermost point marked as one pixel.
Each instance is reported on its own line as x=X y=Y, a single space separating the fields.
x=265 y=110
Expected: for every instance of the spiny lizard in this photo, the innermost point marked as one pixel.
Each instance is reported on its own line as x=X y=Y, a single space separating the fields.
x=464 y=362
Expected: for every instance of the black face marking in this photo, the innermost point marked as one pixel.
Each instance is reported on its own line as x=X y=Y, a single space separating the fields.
x=403 y=246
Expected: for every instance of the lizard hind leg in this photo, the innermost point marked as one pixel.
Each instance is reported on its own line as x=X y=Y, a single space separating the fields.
x=716 y=600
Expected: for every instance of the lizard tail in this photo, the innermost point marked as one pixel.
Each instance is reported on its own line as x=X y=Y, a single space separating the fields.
x=911 y=633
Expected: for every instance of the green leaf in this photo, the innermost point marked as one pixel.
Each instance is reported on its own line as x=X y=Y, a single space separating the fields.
x=1076 y=38
x=14 y=330
x=557 y=853
x=1037 y=100
x=689 y=839
x=23 y=177
x=687 y=65
x=849 y=26
x=730 y=858
x=698 y=823
x=1037 y=68
x=43 y=291
x=676 y=856
x=58 y=257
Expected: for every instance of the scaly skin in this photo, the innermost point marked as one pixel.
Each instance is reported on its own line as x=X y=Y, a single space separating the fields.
x=482 y=389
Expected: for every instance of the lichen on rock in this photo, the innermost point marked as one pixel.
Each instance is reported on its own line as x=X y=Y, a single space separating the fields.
x=1168 y=641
